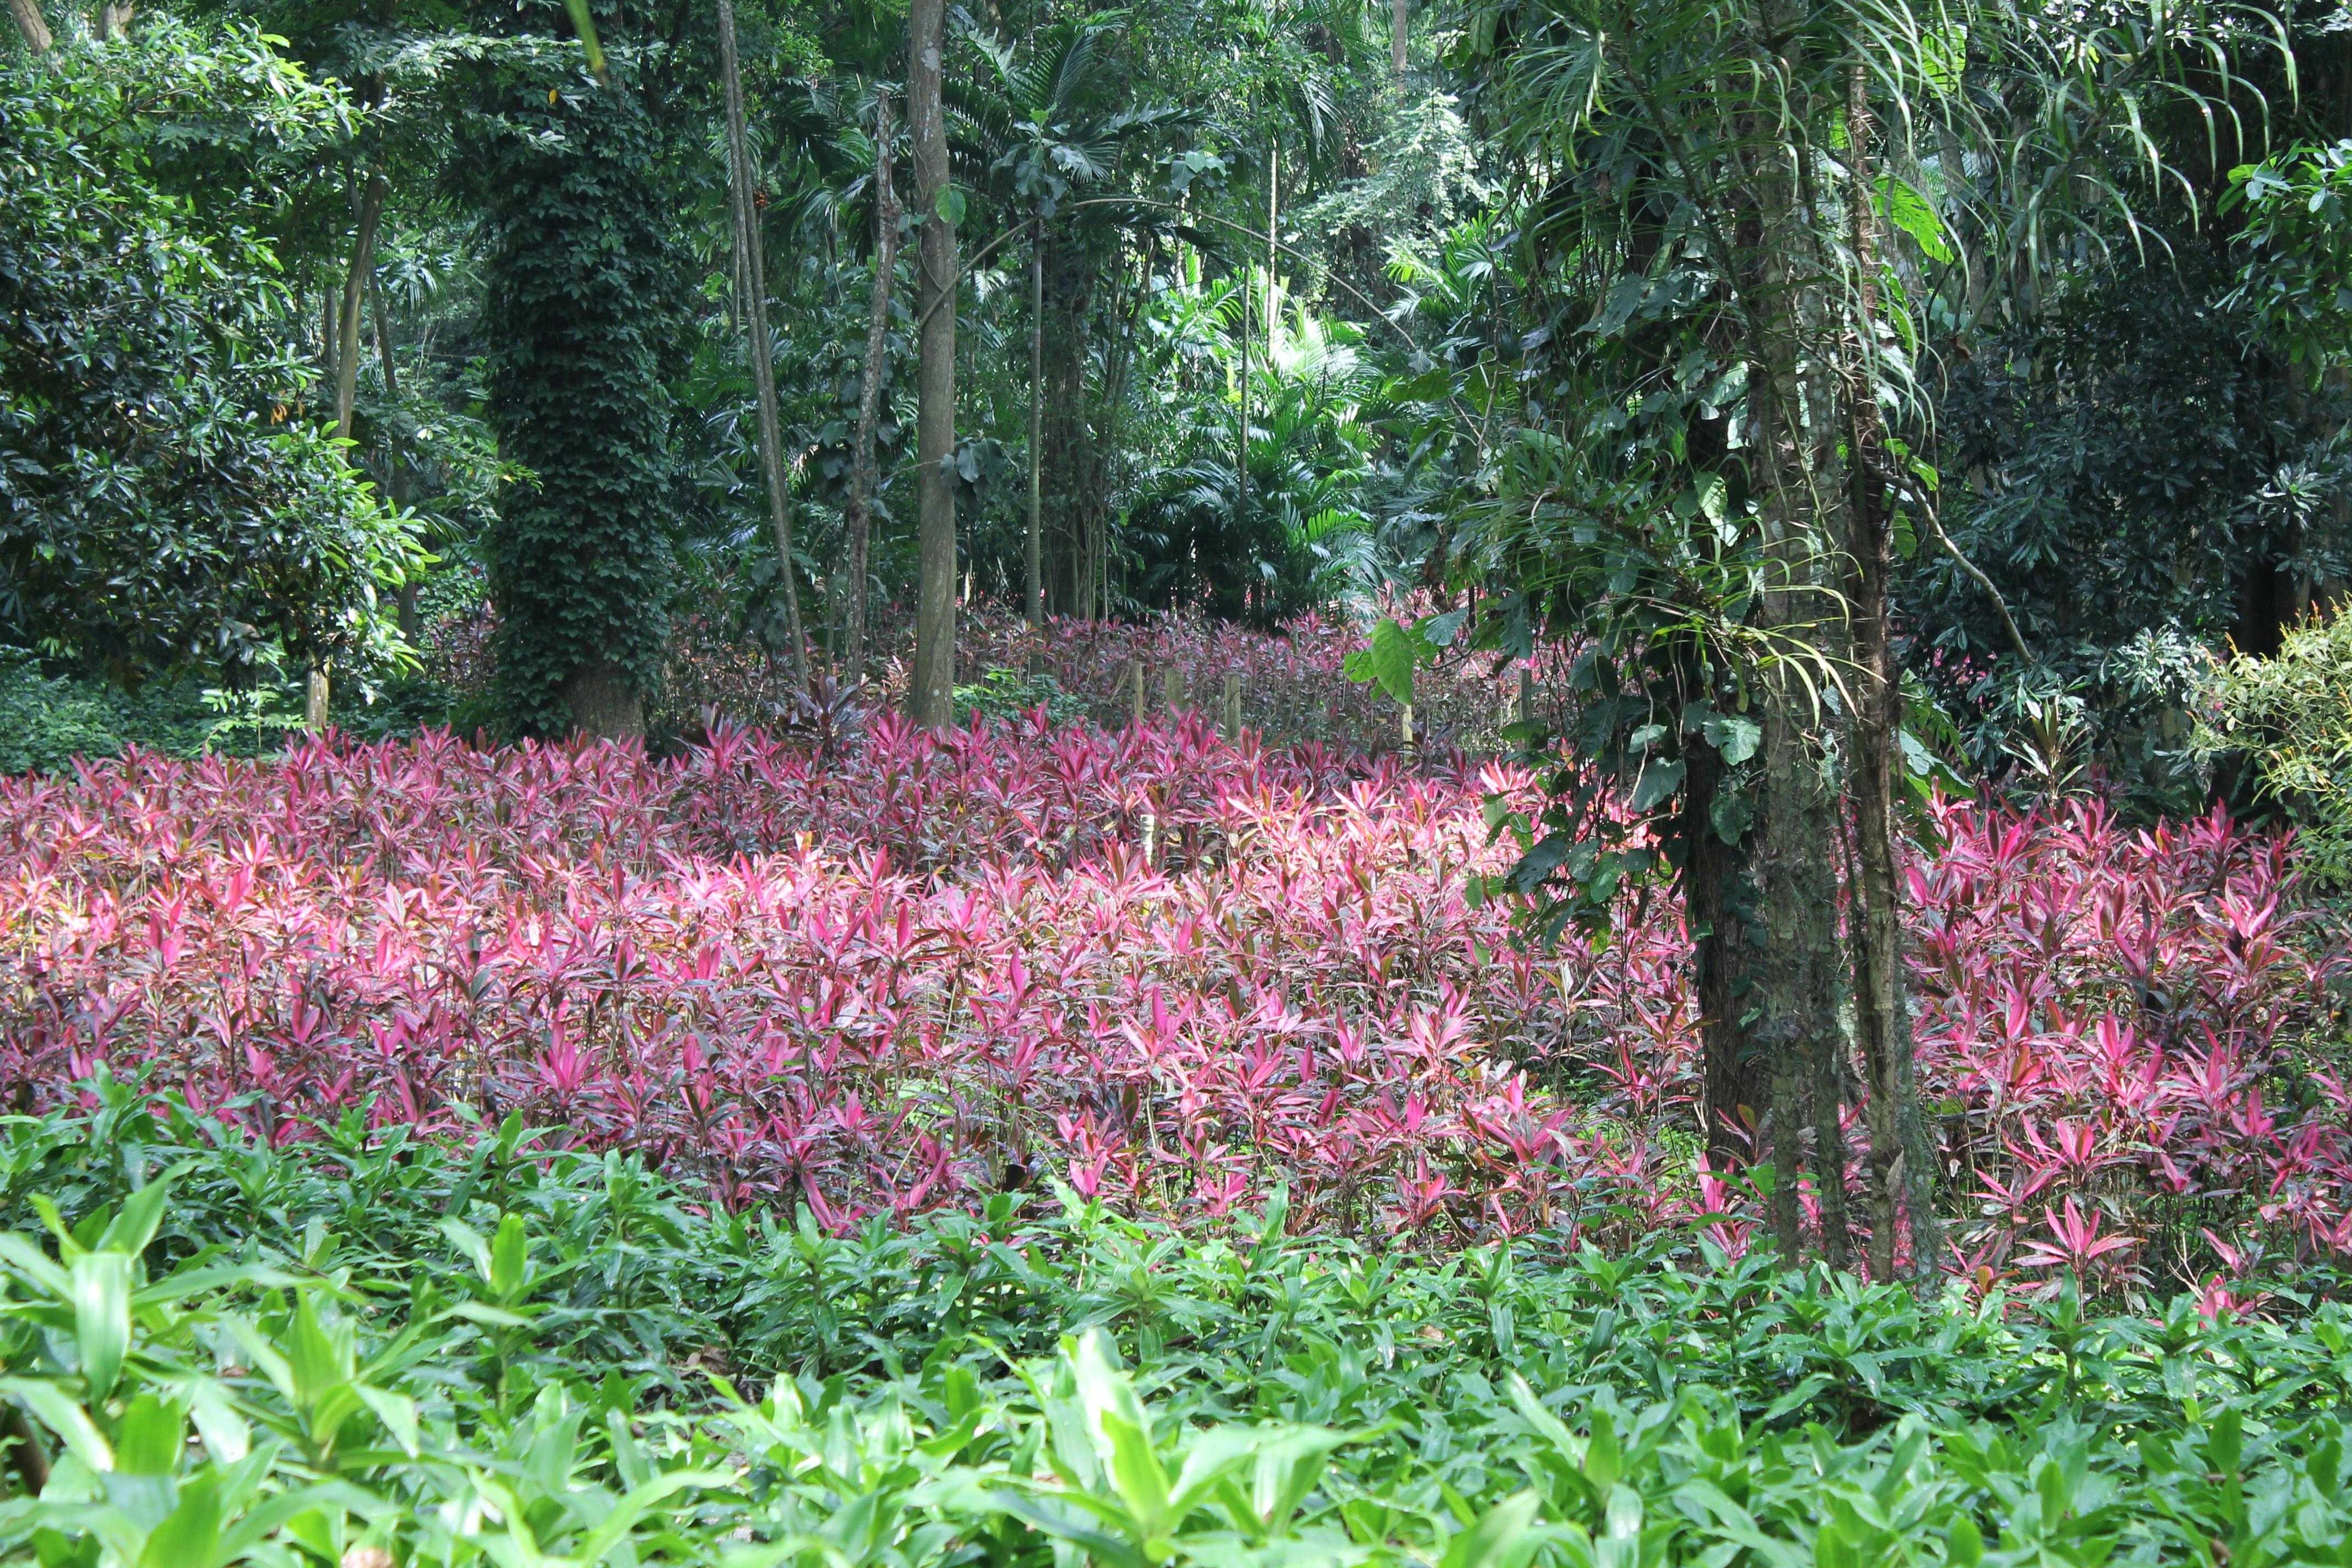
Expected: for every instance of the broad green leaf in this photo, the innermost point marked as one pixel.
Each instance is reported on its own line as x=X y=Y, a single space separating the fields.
x=101 y=1299
x=317 y=1353
x=1532 y=1412
x=61 y=1415
x=1603 y=1460
x=1733 y=738
x=1944 y=56
x=487 y=1316
x=1212 y=1456
x=143 y=1213
x=396 y=1411
x=153 y=1434
x=1121 y=1430
x=1658 y=782
x=1390 y=660
x=1910 y=212
x=1135 y=1471
x=633 y=1506
x=195 y=1280
x=1286 y=1469
x=469 y=1245
x=226 y=1436
x=36 y=1266
x=1504 y=1537
x=190 y=1537
x=251 y=1526
x=510 y=1258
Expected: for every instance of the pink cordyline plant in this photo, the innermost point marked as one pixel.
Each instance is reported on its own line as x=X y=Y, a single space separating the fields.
x=1169 y=971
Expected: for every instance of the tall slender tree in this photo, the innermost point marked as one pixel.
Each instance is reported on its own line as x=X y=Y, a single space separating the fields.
x=857 y=519
x=745 y=208
x=931 y=690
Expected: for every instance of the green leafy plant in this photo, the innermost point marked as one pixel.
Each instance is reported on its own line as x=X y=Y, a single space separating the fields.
x=1011 y=694
x=2291 y=716
x=171 y=502
x=364 y=1348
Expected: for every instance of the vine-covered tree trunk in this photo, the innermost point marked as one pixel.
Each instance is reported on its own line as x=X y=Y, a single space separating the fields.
x=577 y=312
x=1033 y=542
x=930 y=693
x=1792 y=857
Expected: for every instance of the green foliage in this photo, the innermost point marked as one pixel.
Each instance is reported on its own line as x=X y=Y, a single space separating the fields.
x=1428 y=175
x=48 y=720
x=582 y=317
x=168 y=498
x=1305 y=540
x=2291 y=715
x=1389 y=659
x=1011 y=694
x=2296 y=279
x=2127 y=469
x=513 y=1353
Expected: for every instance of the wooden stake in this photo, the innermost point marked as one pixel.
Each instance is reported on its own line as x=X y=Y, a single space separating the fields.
x=1135 y=685
x=1172 y=690
x=1233 y=705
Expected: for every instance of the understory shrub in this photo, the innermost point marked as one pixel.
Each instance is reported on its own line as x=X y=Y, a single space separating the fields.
x=374 y=1347
x=50 y=722
x=2291 y=716
x=1294 y=689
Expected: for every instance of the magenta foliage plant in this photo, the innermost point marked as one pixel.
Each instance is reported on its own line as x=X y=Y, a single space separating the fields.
x=903 y=970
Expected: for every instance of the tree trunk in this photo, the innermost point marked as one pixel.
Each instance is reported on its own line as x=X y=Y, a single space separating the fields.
x=1399 y=33
x=1240 y=550
x=1094 y=594
x=31 y=26
x=857 y=519
x=1901 y=1157
x=395 y=463
x=315 y=694
x=604 y=702
x=1791 y=1001
x=764 y=364
x=346 y=349
x=930 y=692
x=1033 y=550
x=1719 y=911
x=347 y=325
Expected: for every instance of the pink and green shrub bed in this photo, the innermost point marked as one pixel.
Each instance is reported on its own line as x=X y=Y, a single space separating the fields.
x=1168 y=972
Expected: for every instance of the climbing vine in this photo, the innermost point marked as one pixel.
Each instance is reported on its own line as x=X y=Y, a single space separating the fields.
x=581 y=318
